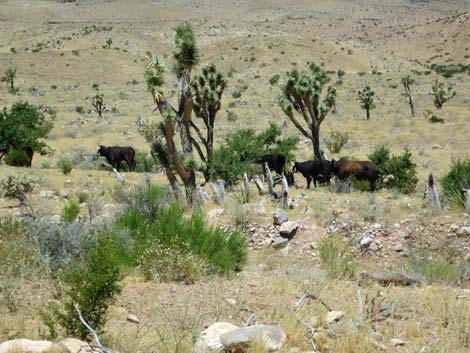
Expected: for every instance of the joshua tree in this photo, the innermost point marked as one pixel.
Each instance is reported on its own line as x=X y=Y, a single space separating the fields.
x=162 y=138
x=441 y=95
x=301 y=95
x=207 y=93
x=407 y=82
x=98 y=103
x=9 y=78
x=109 y=42
x=366 y=98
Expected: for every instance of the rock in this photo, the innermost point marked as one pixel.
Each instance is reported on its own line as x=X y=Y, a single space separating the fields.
x=463 y=232
x=216 y=212
x=334 y=316
x=55 y=219
x=68 y=183
x=47 y=194
x=285 y=251
x=365 y=242
x=75 y=345
x=83 y=205
x=64 y=194
x=209 y=339
x=29 y=346
x=280 y=216
x=132 y=318
x=288 y=229
x=272 y=338
x=278 y=242
x=397 y=342
x=231 y=301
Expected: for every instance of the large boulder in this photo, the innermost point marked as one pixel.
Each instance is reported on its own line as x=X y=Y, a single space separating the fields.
x=76 y=346
x=270 y=338
x=29 y=346
x=209 y=339
x=288 y=229
x=280 y=216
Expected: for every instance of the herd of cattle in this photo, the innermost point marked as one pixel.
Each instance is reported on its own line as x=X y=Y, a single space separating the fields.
x=320 y=171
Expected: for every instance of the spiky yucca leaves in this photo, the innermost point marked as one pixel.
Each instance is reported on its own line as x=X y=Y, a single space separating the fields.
x=302 y=94
x=208 y=88
x=441 y=95
x=187 y=54
x=366 y=97
x=154 y=77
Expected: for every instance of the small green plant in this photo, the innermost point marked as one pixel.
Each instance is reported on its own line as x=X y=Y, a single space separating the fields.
x=441 y=95
x=80 y=109
x=432 y=117
x=65 y=166
x=366 y=98
x=71 y=211
x=231 y=116
x=456 y=180
x=274 y=80
x=237 y=93
x=336 y=141
x=17 y=158
x=82 y=197
x=337 y=258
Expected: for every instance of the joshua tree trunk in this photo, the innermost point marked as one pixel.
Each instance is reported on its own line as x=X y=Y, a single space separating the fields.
x=316 y=143
x=368 y=113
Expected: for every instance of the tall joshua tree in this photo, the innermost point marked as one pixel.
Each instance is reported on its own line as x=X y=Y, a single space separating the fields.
x=441 y=95
x=407 y=82
x=9 y=77
x=208 y=88
x=162 y=137
x=302 y=95
x=366 y=98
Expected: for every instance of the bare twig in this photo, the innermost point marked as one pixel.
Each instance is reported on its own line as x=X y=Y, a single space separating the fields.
x=93 y=332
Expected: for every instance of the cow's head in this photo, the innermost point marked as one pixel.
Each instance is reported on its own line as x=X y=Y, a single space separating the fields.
x=99 y=150
x=294 y=168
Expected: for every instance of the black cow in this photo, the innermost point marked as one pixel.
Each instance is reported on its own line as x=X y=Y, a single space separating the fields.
x=275 y=162
x=361 y=170
x=115 y=155
x=317 y=170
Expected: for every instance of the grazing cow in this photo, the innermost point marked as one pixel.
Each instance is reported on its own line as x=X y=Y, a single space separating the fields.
x=317 y=170
x=30 y=152
x=275 y=162
x=115 y=155
x=361 y=170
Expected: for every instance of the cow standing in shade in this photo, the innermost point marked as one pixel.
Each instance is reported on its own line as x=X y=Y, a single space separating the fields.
x=361 y=170
x=319 y=171
x=115 y=155
x=275 y=162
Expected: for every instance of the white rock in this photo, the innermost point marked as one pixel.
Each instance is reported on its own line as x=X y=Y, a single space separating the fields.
x=334 y=316
x=29 y=346
x=280 y=216
x=288 y=229
x=397 y=342
x=76 y=346
x=365 y=242
x=209 y=339
x=272 y=338
x=463 y=231
x=55 y=218
x=47 y=194
x=133 y=318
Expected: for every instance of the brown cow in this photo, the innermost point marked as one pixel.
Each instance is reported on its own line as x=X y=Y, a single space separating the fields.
x=361 y=170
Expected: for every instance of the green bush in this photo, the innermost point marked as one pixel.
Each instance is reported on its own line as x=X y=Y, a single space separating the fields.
x=17 y=158
x=337 y=258
x=144 y=163
x=65 y=166
x=80 y=109
x=336 y=141
x=71 y=211
x=455 y=181
x=235 y=156
x=395 y=172
x=154 y=217
x=92 y=285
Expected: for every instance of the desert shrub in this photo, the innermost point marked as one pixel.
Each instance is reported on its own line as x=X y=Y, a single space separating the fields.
x=168 y=263
x=82 y=197
x=60 y=244
x=337 y=258
x=457 y=179
x=144 y=163
x=71 y=211
x=235 y=156
x=396 y=172
x=438 y=269
x=16 y=185
x=65 y=166
x=450 y=70
x=336 y=141
x=274 y=80
x=153 y=216
x=428 y=115
x=16 y=158
x=18 y=254
x=92 y=285
x=80 y=109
